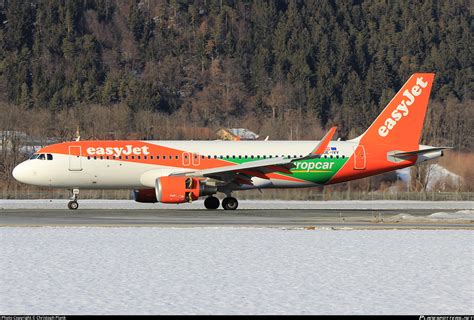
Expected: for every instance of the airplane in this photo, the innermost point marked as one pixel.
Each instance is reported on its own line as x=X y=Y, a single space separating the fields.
x=183 y=171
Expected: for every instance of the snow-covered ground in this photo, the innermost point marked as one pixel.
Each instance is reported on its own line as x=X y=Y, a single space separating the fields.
x=244 y=204
x=235 y=271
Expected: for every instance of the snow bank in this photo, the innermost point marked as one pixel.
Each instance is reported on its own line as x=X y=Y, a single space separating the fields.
x=244 y=204
x=439 y=174
x=235 y=271
x=463 y=215
x=460 y=215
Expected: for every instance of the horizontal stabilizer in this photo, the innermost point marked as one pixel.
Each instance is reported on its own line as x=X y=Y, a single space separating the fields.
x=419 y=152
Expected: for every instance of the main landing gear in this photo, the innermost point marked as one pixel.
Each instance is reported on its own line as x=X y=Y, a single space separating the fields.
x=229 y=203
x=73 y=204
x=211 y=203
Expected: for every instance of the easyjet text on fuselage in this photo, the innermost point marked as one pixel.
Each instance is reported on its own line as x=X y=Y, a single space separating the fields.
x=118 y=151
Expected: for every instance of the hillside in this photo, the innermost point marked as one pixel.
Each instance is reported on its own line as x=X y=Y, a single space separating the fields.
x=222 y=62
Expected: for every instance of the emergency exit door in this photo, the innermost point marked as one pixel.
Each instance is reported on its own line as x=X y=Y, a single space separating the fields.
x=359 y=158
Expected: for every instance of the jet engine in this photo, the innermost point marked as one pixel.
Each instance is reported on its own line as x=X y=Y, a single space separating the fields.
x=145 y=195
x=177 y=189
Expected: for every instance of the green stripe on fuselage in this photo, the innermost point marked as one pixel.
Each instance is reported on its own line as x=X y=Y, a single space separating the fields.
x=317 y=171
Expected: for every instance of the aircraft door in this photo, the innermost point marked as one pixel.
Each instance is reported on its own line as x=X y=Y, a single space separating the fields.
x=186 y=159
x=196 y=160
x=75 y=159
x=359 y=158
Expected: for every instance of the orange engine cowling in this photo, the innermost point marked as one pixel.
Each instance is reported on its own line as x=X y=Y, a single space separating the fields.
x=181 y=189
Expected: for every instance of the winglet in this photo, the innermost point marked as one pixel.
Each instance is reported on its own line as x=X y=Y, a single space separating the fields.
x=323 y=144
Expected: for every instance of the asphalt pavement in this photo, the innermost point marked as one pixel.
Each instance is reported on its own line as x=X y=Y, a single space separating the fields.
x=310 y=218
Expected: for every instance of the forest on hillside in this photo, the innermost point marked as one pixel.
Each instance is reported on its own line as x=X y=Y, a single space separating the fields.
x=209 y=63
x=178 y=69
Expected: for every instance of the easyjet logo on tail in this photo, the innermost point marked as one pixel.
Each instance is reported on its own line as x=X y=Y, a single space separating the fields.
x=402 y=109
x=118 y=151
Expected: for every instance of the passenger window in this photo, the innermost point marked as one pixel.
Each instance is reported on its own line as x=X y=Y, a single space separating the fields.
x=138 y=157
x=88 y=157
x=95 y=158
x=151 y=157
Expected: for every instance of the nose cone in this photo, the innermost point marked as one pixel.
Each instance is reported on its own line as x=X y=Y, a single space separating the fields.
x=20 y=173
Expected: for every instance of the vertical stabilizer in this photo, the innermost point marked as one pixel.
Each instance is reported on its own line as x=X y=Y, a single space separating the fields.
x=400 y=123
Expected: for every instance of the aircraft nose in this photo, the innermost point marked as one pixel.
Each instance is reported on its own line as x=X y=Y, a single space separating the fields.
x=19 y=173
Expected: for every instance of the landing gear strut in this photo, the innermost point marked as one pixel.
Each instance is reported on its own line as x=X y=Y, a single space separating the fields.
x=230 y=203
x=73 y=205
x=211 y=203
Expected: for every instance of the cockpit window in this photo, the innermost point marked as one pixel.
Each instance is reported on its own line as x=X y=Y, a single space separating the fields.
x=42 y=156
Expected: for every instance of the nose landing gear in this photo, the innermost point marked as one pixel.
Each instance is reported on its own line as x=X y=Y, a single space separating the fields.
x=73 y=204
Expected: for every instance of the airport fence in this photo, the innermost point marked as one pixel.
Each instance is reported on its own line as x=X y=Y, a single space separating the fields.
x=286 y=194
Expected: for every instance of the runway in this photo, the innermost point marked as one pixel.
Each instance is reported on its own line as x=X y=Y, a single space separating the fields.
x=300 y=218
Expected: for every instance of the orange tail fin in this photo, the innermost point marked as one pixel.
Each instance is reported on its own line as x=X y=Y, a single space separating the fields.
x=400 y=123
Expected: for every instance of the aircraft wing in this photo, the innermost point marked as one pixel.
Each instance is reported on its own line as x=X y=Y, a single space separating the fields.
x=243 y=173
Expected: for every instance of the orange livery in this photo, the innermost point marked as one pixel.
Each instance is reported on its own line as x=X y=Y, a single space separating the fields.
x=183 y=171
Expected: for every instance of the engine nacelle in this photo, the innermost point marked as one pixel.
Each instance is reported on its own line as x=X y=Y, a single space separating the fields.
x=178 y=189
x=145 y=195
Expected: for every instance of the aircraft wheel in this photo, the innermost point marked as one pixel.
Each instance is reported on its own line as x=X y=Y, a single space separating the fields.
x=230 y=203
x=73 y=205
x=211 y=203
